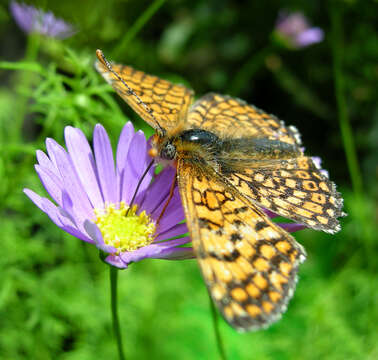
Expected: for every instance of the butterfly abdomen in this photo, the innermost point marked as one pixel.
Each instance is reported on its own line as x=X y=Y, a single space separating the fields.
x=260 y=148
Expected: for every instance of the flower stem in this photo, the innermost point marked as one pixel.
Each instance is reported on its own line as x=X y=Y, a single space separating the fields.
x=136 y=27
x=345 y=127
x=218 y=338
x=113 y=297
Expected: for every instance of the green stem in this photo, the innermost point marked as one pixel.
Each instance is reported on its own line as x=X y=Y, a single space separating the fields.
x=345 y=128
x=218 y=338
x=113 y=297
x=247 y=70
x=364 y=230
x=136 y=27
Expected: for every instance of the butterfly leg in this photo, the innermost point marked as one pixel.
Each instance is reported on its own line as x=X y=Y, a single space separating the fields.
x=169 y=198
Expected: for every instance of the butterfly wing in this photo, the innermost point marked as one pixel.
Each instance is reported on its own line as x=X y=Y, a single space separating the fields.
x=286 y=183
x=249 y=264
x=234 y=118
x=293 y=188
x=153 y=99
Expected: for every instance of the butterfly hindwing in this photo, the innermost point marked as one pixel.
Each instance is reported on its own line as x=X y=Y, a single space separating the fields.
x=293 y=188
x=249 y=264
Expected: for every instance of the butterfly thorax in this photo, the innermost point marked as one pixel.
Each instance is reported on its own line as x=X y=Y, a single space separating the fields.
x=203 y=145
x=192 y=143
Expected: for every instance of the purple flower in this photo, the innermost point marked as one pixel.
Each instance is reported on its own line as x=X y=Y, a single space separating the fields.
x=31 y=19
x=92 y=196
x=294 y=29
x=318 y=163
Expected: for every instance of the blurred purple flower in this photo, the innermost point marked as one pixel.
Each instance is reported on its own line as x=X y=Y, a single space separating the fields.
x=31 y=19
x=318 y=163
x=295 y=30
x=92 y=196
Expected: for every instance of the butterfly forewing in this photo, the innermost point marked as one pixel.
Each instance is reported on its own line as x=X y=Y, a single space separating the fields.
x=156 y=99
x=249 y=264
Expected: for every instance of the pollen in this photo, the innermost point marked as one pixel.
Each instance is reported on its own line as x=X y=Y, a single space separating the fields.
x=122 y=227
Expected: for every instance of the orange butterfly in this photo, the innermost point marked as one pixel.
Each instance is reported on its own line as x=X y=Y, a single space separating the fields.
x=232 y=161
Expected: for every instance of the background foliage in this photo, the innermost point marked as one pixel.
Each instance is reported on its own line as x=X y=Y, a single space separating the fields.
x=54 y=291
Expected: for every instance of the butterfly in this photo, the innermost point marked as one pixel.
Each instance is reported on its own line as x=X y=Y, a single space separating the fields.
x=234 y=162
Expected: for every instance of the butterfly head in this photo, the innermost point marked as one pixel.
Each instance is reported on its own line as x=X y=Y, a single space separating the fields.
x=163 y=148
x=168 y=151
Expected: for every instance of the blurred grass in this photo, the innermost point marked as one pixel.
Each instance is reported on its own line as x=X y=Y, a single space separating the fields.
x=54 y=291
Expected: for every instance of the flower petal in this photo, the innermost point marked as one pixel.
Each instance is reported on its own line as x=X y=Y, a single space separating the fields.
x=158 y=191
x=123 y=146
x=31 y=19
x=318 y=163
x=44 y=161
x=174 y=212
x=71 y=182
x=115 y=260
x=37 y=199
x=295 y=29
x=23 y=15
x=50 y=147
x=148 y=177
x=174 y=242
x=105 y=164
x=292 y=227
x=176 y=230
x=84 y=164
x=134 y=167
x=51 y=182
x=56 y=215
x=151 y=251
x=95 y=234
x=310 y=36
x=271 y=214
x=182 y=253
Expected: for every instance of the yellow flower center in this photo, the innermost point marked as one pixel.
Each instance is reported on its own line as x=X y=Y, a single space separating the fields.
x=123 y=228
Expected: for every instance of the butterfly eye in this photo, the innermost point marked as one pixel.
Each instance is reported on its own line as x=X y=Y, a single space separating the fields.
x=168 y=151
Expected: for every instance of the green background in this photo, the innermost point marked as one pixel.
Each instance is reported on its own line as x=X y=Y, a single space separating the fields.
x=54 y=290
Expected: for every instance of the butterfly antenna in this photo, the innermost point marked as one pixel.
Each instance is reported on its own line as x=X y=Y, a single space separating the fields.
x=101 y=57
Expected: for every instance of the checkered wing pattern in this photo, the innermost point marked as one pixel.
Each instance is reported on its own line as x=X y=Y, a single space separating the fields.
x=234 y=118
x=154 y=99
x=293 y=188
x=249 y=264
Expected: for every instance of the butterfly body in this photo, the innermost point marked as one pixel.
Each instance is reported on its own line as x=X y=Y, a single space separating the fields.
x=234 y=162
x=194 y=143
